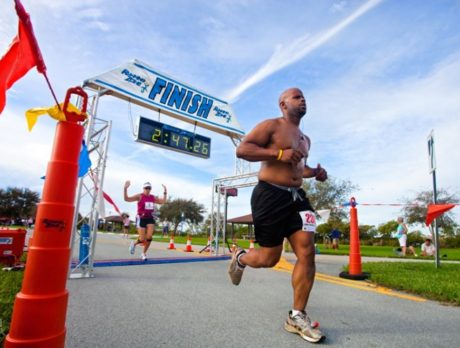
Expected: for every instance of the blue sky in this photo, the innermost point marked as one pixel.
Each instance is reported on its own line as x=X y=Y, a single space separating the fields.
x=378 y=77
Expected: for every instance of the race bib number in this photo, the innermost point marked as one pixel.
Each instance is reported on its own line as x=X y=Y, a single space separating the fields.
x=149 y=206
x=308 y=221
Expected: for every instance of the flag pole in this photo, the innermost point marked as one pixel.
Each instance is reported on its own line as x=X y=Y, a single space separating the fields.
x=436 y=231
x=24 y=17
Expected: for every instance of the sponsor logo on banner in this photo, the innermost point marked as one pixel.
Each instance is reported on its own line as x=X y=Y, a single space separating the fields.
x=308 y=221
x=6 y=240
x=135 y=79
x=222 y=113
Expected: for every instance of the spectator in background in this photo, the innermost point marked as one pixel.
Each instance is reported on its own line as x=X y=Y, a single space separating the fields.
x=335 y=236
x=165 y=229
x=401 y=234
x=428 y=248
x=126 y=223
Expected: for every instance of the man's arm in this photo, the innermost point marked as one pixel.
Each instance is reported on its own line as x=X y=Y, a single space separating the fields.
x=252 y=147
x=319 y=173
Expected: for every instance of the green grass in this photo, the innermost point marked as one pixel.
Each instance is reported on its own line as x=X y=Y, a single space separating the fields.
x=387 y=251
x=10 y=284
x=366 y=250
x=421 y=278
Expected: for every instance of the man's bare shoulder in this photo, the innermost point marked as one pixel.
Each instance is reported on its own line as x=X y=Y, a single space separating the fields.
x=261 y=134
x=271 y=122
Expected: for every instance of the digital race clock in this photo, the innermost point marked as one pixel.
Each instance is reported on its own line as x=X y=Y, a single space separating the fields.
x=172 y=138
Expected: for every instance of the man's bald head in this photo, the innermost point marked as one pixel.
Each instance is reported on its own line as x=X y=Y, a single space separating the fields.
x=287 y=93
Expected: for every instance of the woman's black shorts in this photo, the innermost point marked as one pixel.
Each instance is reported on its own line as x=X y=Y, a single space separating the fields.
x=276 y=214
x=146 y=221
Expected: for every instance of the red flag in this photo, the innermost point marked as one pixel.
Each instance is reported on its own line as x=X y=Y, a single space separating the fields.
x=105 y=195
x=109 y=199
x=22 y=55
x=435 y=210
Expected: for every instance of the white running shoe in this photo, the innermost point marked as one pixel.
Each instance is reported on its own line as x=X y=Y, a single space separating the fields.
x=132 y=247
x=143 y=257
x=234 y=270
x=301 y=324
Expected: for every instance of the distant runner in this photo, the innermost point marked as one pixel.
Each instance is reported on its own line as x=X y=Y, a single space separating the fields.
x=145 y=210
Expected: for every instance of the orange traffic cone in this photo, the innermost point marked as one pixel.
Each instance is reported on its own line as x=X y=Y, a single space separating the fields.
x=171 y=243
x=188 y=247
x=354 y=267
x=251 y=245
x=40 y=308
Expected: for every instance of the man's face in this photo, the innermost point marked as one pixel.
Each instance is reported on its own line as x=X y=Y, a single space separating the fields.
x=294 y=102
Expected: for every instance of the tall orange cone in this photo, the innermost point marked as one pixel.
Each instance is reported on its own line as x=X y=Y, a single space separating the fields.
x=171 y=243
x=188 y=247
x=40 y=307
x=354 y=269
x=251 y=245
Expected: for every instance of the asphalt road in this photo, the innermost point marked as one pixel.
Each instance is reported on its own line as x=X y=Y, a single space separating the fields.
x=195 y=305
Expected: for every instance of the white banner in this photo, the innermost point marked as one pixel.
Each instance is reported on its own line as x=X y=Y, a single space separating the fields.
x=147 y=87
x=324 y=214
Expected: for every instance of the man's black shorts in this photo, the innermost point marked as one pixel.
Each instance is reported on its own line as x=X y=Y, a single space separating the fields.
x=146 y=221
x=275 y=213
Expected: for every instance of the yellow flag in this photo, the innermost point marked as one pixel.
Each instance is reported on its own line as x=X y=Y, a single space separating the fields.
x=33 y=114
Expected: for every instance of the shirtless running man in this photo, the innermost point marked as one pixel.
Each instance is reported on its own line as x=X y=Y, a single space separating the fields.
x=280 y=208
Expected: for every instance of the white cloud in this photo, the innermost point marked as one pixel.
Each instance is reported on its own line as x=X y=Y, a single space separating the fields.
x=287 y=54
x=339 y=6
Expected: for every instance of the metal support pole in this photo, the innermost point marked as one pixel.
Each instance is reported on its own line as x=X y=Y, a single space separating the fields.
x=224 y=228
x=218 y=224
x=436 y=232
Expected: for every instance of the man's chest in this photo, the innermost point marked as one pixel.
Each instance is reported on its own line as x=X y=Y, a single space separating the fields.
x=291 y=139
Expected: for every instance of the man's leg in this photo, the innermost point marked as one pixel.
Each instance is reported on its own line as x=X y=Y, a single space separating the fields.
x=304 y=271
x=262 y=257
x=257 y=258
x=303 y=277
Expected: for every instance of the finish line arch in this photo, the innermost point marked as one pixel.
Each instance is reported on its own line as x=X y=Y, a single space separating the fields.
x=140 y=84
